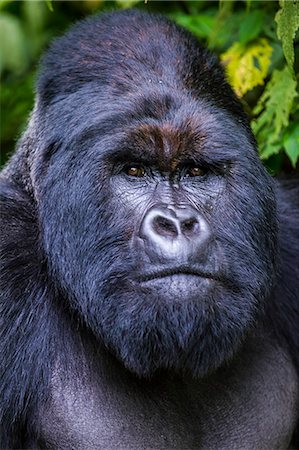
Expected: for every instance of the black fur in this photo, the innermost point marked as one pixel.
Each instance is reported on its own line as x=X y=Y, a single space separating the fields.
x=130 y=87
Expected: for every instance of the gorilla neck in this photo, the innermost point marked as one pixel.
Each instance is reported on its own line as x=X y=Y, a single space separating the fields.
x=107 y=407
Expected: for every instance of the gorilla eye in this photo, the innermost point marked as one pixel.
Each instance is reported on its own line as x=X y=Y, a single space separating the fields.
x=135 y=170
x=195 y=171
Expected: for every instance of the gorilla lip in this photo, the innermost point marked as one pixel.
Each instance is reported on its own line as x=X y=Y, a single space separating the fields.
x=177 y=271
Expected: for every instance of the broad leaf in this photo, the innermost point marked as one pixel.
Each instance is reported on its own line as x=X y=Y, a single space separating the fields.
x=251 y=26
x=200 y=25
x=12 y=44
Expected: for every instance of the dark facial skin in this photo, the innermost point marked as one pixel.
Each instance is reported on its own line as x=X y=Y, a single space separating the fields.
x=149 y=295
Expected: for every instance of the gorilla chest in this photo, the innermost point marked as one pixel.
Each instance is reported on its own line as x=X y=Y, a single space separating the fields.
x=122 y=418
x=223 y=412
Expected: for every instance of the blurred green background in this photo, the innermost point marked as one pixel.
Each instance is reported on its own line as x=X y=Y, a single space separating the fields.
x=257 y=42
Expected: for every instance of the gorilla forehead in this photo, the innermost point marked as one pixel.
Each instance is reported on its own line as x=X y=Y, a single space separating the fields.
x=127 y=53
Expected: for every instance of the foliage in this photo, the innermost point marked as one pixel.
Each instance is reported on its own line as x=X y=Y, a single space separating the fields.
x=257 y=42
x=287 y=20
x=274 y=109
x=247 y=66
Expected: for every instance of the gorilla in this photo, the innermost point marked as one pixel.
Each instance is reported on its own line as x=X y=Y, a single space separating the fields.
x=150 y=276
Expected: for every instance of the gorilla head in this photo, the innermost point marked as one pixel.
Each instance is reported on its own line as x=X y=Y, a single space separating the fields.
x=157 y=219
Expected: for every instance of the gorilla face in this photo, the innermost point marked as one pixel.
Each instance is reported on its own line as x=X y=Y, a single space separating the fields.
x=157 y=218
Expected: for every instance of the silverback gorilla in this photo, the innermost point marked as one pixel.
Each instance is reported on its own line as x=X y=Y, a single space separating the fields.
x=150 y=277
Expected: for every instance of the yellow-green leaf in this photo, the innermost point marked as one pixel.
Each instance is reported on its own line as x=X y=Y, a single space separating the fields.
x=247 y=66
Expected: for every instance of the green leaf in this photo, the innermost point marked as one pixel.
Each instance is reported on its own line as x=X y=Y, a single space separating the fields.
x=200 y=25
x=226 y=28
x=12 y=44
x=276 y=103
x=291 y=143
x=287 y=19
x=50 y=5
x=251 y=26
x=273 y=110
x=226 y=6
x=270 y=149
x=16 y=101
x=127 y=3
x=34 y=14
x=4 y=3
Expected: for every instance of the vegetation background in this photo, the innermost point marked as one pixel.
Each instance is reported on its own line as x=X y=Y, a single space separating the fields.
x=257 y=42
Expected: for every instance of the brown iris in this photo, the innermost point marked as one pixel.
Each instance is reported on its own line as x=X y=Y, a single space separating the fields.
x=195 y=172
x=135 y=171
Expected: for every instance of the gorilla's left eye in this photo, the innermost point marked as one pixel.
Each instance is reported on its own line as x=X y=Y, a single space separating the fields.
x=135 y=170
x=195 y=171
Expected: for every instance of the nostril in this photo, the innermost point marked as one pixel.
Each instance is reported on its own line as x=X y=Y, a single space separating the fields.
x=190 y=227
x=173 y=233
x=164 y=227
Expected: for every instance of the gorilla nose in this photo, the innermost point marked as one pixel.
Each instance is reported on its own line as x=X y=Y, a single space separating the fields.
x=171 y=232
x=171 y=224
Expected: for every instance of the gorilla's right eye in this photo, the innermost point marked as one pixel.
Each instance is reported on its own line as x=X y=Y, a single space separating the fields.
x=134 y=170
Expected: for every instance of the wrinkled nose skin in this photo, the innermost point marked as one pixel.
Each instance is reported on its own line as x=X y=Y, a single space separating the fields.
x=171 y=233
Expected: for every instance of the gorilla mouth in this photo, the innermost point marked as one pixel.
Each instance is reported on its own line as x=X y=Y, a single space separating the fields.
x=178 y=271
